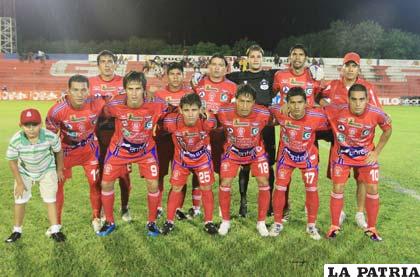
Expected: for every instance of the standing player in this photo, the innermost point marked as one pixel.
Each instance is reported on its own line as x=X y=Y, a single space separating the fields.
x=262 y=81
x=172 y=95
x=107 y=85
x=353 y=127
x=215 y=91
x=35 y=155
x=243 y=122
x=297 y=150
x=132 y=142
x=190 y=129
x=75 y=118
x=298 y=75
x=336 y=93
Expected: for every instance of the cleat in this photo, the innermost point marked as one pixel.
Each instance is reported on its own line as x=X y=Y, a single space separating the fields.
x=333 y=232
x=286 y=215
x=275 y=230
x=360 y=220
x=373 y=234
x=210 y=228
x=159 y=212
x=224 y=228
x=13 y=237
x=180 y=215
x=243 y=208
x=125 y=215
x=262 y=228
x=58 y=237
x=167 y=228
x=342 y=218
x=152 y=229
x=192 y=213
x=313 y=232
x=107 y=229
x=96 y=224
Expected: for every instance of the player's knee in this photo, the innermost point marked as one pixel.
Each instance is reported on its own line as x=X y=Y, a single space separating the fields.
x=207 y=187
x=177 y=188
x=107 y=186
x=371 y=188
x=152 y=186
x=262 y=181
x=338 y=188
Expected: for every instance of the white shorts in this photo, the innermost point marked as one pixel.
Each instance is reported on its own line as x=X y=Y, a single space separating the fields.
x=48 y=184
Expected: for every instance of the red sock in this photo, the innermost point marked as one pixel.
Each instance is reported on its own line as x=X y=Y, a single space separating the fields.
x=174 y=198
x=208 y=203
x=60 y=200
x=224 y=202
x=263 y=201
x=95 y=198
x=196 y=197
x=152 y=203
x=372 y=209
x=125 y=187
x=161 y=188
x=108 y=198
x=336 y=206
x=279 y=199
x=312 y=204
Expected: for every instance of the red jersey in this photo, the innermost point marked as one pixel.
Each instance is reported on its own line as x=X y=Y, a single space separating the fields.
x=192 y=143
x=76 y=126
x=244 y=143
x=337 y=92
x=285 y=80
x=297 y=137
x=106 y=89
x=214 y=95
x=133 y=136
x=354 y=134
x=172 y=97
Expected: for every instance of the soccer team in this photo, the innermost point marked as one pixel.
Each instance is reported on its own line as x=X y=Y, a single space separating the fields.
x=223 y=123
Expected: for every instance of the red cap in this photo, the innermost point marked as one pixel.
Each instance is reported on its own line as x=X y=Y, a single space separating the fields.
x=352 y=57
x=30 y=116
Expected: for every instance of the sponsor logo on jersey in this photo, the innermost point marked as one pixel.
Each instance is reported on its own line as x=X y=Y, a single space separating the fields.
x=285 y=138
x=352 y=123
x=365 y=133
x=105 y=87
x=292 y=134
x=230 y=130
x=290 y=125
x=341 y=127
x=295 y=82
x=224 y=97
x=241 y=131
x=286 y=89
x=237 y=123
x=352 y=131
x=74 y=118
x=341 y=137
x=254 y=131
x=306 y=135
x=264 y=84
x=132 y=117
x=202 y=93
x=148 y=125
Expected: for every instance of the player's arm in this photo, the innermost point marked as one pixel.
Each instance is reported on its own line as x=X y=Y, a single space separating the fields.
x=386 y=134
x=210 y=121
x=20 y=187
x=52 y=123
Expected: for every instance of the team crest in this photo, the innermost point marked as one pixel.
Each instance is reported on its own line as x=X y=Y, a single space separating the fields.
x=254 y=131
x=306 y=135
x=148 y=125
x=264 y=84
x=241 y=131
x=365 y=133
x=224 y=97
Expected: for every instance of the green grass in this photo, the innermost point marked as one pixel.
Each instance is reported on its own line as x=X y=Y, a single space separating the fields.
x=189 y=250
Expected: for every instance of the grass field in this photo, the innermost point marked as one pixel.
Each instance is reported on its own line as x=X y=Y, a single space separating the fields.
x=190 y=251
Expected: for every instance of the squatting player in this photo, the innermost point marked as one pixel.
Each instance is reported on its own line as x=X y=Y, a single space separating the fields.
x=353 y=126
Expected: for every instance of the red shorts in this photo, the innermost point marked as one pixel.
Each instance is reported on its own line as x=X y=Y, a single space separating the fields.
x=204 y=173
x=366 y=174
x=217 y=139
x=87 y=157
x=229 y=168
x=165 y=152
x=284 y=175
x=148 y=167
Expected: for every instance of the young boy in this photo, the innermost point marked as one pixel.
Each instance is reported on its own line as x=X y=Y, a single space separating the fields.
x=35 y=155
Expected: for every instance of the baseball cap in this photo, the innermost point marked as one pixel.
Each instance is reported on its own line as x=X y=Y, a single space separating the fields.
x=30 y=116
x=352 y=57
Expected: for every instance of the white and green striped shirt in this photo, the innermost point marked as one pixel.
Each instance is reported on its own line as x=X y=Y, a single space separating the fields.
x=34 y=159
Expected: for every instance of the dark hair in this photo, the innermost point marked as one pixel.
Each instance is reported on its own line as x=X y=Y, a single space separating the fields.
x=357 y=87
x=246 y=89
x=298 y=46
x=190 y=99
x=135 y=76
x=78 y=79
x=175 y=65
x=219 y=56
x=254 y=47
x=106 y=53
x=296 y=91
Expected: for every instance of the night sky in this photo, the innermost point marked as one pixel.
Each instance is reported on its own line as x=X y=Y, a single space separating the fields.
x=189 y=21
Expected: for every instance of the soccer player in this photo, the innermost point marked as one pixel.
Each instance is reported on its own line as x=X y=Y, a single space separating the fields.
x=353 y=126
x=35 y=155
x=108 y=85
x=172 y=95
x=132 y=142
x=75 y=119
x=297 y=150
x=262 y=81
x=243 y=122
x=215 y=91
x=297 y=75
x=336 y=93
x=190 y=128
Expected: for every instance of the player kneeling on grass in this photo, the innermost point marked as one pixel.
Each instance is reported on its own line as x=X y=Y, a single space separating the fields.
x=35 y=155
x=297 y=150
x=132 y=143
x=190 y=134
x=243 y=122
x=353 y=126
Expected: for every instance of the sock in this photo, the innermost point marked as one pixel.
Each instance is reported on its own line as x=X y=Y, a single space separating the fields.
x=60 y=201
x=17 y=229
x=224 y=202
x=108 y=198
x=312 y=204
x=372 y=209
x=95 y=198
x=55 y=228
x=336 y=206
x=196 y=196
x=208 y=203
x=263 y=201
x=279 y=198
x=152 y=203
